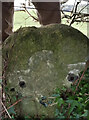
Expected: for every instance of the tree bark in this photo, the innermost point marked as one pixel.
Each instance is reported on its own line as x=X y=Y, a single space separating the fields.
x=48 y=12
x=7 y=19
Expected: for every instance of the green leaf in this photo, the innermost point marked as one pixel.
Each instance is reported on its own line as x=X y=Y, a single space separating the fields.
x=55 y=95
x=60 y=102
x=0 y=80
x=61 y=116
x=77 y=116
x=80 y=99
x=73 y=103
x=71 y=108
x=11 y=110
x=80 y=93
x=85 y=113
x=56 y=112
x=64 y=89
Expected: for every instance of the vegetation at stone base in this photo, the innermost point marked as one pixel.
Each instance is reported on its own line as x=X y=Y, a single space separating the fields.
x=71 y=103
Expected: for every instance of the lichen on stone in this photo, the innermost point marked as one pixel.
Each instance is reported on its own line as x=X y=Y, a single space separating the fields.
x=39 y=60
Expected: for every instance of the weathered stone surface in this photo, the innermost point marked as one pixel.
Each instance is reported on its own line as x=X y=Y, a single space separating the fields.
x=39 y=60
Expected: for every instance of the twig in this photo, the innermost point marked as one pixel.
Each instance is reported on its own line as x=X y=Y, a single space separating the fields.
x=86 y=101
x=51 y=97
x=81 y=76
x=74 y=15
x=6 y=110
x=86 y=94
x=13 y=104
x=30 y=14
x=69 y=105
x=83 y=8
x=53 y=104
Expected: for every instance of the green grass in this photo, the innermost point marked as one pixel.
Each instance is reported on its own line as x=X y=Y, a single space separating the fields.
x=82 y=26
x=22 y=19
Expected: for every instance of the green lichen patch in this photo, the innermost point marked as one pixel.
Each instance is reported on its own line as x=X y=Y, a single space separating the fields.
x=38 y=60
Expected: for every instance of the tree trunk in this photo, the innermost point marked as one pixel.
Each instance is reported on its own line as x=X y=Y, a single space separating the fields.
x=48 y=12
x=7 y=19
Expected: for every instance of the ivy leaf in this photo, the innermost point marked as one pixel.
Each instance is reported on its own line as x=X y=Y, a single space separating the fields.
x=77 y=116
x=0 y=80
x=80 y=99
x=56 y=112
x=64 y=89
x=71 y=108
x=73 y=103
x=11 y=110
x=60 y=102
x=61 y=116
x=85 y=113
x=55 y=95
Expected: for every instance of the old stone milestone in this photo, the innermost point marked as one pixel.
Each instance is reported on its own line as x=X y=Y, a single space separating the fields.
x=39 y=60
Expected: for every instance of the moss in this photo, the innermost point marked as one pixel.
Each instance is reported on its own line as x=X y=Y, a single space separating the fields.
x=40 y=57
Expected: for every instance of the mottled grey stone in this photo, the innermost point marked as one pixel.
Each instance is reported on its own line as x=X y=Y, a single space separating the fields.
x=40 y=60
